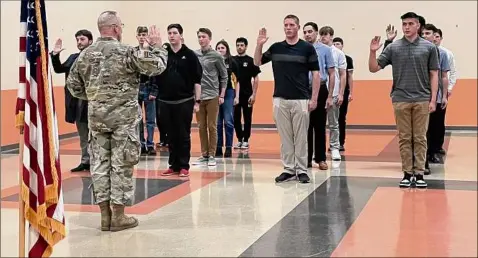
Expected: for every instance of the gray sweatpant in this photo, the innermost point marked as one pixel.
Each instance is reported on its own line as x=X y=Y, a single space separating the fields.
x=333 y=118
x=292 y=121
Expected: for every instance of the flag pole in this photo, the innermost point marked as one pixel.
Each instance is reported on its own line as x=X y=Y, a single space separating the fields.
x=21 y=203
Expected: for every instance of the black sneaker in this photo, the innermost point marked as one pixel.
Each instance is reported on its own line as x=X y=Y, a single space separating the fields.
x=144 y=151
x=427 y=171
x=228 y=152
x=420 y=182
x=284 y=177
x=341 y=148
x=407 y=180
x=303 y=178
x=81 y=167
x=151 y=151
x=218 y=152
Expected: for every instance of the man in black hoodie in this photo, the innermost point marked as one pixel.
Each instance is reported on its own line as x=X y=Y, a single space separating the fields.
x=76 y=110
x=179 y=96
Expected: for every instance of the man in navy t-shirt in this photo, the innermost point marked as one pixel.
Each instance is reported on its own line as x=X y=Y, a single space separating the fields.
x=292 y=61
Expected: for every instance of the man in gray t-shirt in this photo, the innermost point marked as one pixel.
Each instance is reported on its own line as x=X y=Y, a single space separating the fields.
x=415 y=68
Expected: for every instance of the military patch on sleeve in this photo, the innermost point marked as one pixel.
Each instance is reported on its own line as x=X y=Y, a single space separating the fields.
x=144 y=54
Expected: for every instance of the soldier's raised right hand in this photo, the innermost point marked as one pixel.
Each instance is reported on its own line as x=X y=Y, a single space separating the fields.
x=153 y=38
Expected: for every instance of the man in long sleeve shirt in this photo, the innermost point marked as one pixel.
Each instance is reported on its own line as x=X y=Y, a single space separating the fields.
x=76 y=110
x=213 y=88
x=451 y=83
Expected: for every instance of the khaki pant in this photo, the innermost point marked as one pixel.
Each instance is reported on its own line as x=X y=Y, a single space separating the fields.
x=207 y=122
x=412 y=125
x=292 y=121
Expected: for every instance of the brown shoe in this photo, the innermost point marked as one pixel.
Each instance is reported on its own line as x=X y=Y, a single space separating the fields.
x=323 y=165
x=119 y=221
x=105 y=215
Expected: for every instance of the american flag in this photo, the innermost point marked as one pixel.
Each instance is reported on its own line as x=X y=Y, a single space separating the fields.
x=41 y=189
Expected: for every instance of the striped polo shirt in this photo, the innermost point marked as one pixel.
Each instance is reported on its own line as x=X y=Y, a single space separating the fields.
x=411 y=65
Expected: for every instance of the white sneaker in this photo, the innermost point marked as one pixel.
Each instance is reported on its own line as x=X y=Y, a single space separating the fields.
x=245 y=145
x=201 y=161
x=336 y=155
x=211 y=161
x=238 y=145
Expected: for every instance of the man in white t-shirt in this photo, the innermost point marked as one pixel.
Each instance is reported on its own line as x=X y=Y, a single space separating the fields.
x=336 y=98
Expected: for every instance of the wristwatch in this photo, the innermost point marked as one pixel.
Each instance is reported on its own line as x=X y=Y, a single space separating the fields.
x=198 y=101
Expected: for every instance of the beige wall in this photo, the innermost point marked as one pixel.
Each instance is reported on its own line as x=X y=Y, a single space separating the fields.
x=64 y=19
x=355 y=21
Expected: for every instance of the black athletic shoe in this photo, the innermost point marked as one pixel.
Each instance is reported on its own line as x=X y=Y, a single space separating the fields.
x=303 y=178
x=427 y=171
x=407 y=180
x=284 y=177
x=420 y=182
x=434 y=159
x=81 y=167
x=144 y=151
x=228 y=152
x=151 y=151
x=218 y=152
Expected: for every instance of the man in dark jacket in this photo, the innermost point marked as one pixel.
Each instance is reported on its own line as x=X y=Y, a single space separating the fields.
x=179 y=96
x=76 y=110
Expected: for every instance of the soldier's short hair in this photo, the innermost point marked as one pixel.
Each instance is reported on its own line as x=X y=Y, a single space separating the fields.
x=107 y=18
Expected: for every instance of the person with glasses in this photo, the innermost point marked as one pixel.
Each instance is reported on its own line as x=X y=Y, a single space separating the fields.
x=106 y=75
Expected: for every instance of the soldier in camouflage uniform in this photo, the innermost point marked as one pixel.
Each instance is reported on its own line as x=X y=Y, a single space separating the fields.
x=106 y=74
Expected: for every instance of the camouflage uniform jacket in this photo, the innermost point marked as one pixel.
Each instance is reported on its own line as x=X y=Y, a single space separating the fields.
x=106 y=74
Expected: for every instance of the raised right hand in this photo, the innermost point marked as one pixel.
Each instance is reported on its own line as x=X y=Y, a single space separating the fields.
x=391 y=32
x=58 y=47
x=153 y=38
x=262 y=38
x=375 y=44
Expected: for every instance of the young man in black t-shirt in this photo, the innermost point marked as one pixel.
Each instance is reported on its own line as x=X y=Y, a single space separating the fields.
x=349 y=86
x=247 y=93
x=292 y=61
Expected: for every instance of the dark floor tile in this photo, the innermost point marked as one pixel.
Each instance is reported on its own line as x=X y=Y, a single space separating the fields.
x=318 y=224
x=77 y=190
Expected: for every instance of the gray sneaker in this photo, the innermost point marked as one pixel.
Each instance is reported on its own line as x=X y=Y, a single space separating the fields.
x=211 y=161
x=245 y=145
x=201 y=161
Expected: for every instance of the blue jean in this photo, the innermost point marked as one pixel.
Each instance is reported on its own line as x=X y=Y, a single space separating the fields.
x=150 y=113
x=225 y=120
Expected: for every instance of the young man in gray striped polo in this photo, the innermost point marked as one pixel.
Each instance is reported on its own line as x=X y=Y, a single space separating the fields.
x=415 y=69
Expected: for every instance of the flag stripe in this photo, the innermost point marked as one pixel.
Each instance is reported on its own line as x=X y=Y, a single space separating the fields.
x=42 y=187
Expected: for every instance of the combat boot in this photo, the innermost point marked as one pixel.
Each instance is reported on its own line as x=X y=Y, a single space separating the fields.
x=105 y=215
x=119 y=221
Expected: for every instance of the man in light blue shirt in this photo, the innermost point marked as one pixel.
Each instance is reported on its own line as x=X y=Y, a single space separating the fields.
x=436 y=123
x=318 y=117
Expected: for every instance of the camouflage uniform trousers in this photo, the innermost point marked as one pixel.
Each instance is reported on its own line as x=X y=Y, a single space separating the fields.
x=113 y=157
